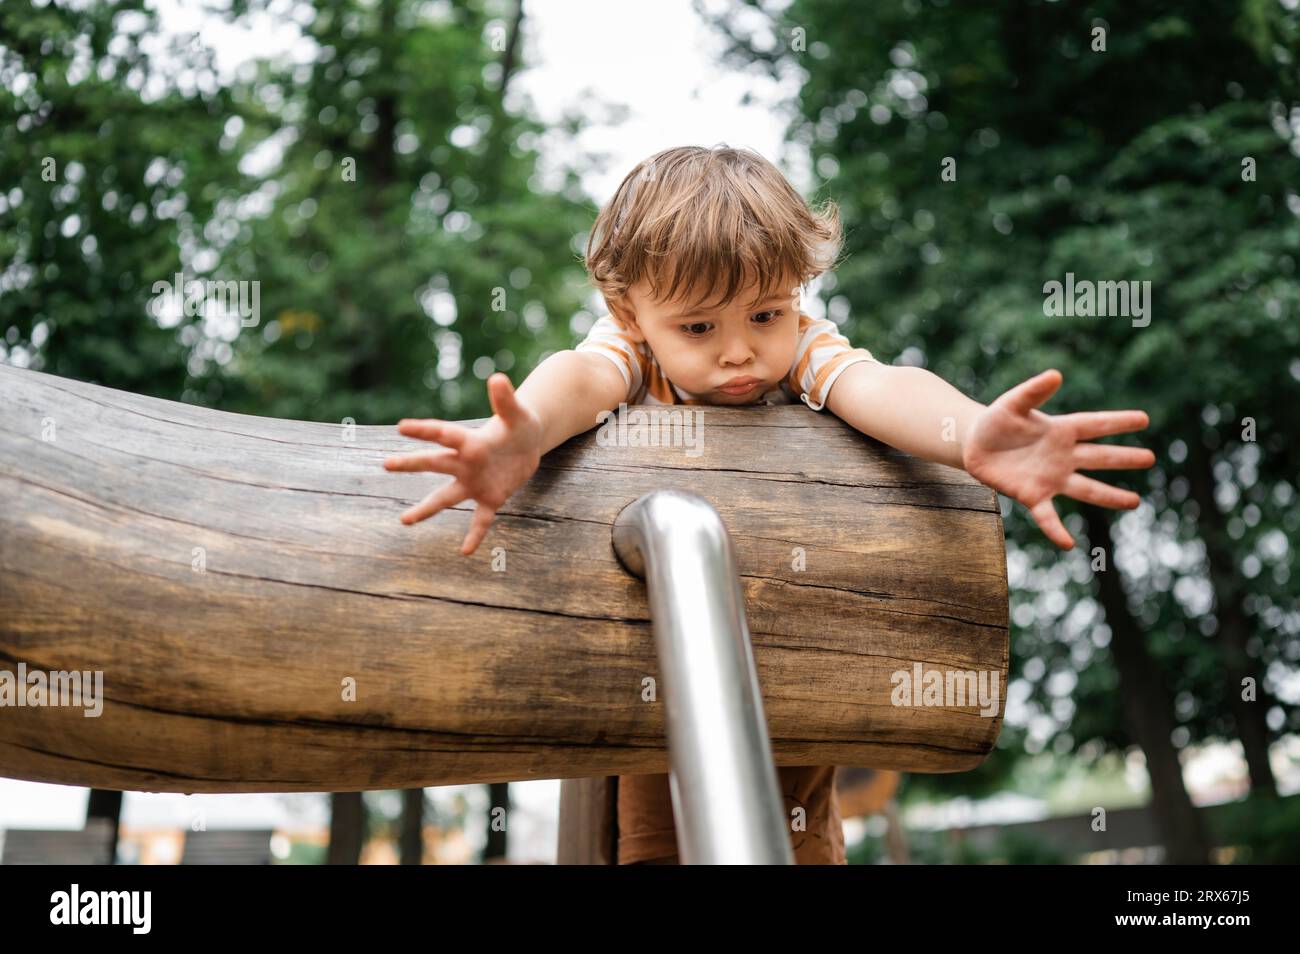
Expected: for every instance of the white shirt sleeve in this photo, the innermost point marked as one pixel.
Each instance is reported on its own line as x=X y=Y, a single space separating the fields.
x=608 y=337
x=822 y=356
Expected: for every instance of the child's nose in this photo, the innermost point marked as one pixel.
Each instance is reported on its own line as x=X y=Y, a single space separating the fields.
x=737 y=351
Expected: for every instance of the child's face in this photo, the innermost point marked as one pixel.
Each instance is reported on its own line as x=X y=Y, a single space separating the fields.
x=704 y=350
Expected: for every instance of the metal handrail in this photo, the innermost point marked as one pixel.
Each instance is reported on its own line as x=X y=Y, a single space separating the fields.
x=727 y=803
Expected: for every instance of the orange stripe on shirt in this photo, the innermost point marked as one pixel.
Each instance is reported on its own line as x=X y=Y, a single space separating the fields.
x=618 y=353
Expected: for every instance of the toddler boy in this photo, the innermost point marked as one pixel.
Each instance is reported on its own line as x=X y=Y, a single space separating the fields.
x=700 y=256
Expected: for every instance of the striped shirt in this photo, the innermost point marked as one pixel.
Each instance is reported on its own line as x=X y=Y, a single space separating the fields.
x=822 y=355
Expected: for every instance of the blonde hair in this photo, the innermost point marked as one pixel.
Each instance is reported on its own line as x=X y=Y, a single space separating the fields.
x=700 y=220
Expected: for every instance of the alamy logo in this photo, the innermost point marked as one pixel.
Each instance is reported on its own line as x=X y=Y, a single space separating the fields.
x=1085 y=299
x=103 y=907
x=196 y=296
x=652 y=428
x=56 y=688
x=946 y=687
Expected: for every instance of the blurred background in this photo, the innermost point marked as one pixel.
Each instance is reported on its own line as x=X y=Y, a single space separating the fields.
x=411 y=183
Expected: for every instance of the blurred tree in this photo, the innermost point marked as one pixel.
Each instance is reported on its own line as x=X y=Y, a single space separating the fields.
x=108 y=172
x=348 y=828
x=411 y=827
x=979 y=153
x=498 y=819
x=406 y=245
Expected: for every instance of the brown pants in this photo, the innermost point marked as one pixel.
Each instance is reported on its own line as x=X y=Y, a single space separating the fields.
x=645 y=817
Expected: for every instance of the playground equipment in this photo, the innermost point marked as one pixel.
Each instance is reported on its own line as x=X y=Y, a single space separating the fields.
x=727 y=805
x=264 y=623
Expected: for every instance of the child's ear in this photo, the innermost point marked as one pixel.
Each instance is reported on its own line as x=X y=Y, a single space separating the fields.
x=622 y=310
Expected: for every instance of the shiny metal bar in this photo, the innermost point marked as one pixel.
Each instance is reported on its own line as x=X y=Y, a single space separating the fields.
x=727 y=802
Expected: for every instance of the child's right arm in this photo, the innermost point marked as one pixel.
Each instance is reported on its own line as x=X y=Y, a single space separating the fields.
x=561 y=398
x=568 y=390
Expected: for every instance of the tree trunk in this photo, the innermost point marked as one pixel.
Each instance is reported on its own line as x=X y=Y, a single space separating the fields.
x=106 y=805
x=1234 y=625
x=498 y=798
x=412 y=836
x=347 y=828
x=1149 y=709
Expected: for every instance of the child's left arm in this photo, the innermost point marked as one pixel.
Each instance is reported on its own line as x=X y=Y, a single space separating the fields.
x=1009 y=445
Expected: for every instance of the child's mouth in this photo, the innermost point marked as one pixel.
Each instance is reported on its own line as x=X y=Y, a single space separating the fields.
x=742 y=388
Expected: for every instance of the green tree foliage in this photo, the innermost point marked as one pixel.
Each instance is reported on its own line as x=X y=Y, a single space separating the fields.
x=108 y=169
x=404 y=243
x=379 y=183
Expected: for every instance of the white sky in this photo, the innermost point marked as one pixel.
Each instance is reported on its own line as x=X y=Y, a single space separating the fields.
x=657 y=59
x=654 y=58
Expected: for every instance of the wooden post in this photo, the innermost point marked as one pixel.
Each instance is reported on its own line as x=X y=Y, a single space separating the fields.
x=588 y=821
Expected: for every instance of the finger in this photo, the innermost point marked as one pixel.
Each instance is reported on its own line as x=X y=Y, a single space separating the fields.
x=446 y=496
x=478 y=528
x=1027 y=395
x=1112 y=457
x=443 y=432
x=1103 y=495
x=444 y=462
x=1090 y=424
x=1044 y=514
x=505 y=404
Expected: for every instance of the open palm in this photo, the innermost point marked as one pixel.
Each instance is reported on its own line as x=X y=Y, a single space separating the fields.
x=1031 y=456
x=487 y=463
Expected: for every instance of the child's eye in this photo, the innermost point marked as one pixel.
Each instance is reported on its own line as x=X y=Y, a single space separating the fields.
x=700 y=328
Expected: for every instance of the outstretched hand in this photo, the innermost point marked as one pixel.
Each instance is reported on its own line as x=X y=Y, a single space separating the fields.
x=489 y=463
x=1019 y=451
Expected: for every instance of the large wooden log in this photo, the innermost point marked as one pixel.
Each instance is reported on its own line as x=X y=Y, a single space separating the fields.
x=232 y=576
